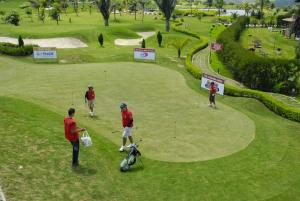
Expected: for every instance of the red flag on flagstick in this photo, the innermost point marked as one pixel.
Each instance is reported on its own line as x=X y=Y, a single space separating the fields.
x=216 y=46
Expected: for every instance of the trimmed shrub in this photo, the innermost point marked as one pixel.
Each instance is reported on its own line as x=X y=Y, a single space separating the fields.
x=143 y=43
x=15 y=50
x=101 y=39
x=159 y=38
x=20 y=41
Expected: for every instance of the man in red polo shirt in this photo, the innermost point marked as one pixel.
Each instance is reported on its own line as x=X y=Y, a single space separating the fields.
x=72 y=134
x=127 y=122
x=212 y=94
x=90 y=99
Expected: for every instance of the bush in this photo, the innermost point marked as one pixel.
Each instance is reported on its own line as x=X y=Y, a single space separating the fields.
x=159 y=38
x=101 y=39
x=16 y=50
x=143 y=43
x=12 y=18
x=298 y=50
x=20 y=41
x=254 y=71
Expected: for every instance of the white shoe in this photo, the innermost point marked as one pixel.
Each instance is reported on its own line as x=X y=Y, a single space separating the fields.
x=121 y=149
x=130 y=145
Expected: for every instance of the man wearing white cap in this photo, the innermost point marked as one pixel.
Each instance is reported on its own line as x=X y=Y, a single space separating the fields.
x=90 y=99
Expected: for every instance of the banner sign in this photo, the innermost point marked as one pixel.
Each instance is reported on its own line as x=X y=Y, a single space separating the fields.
x=208 y=79
x=216 y=46
x=144 y=54
x=44 y=53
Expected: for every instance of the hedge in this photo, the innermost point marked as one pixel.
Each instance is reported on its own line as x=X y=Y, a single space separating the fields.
x=15 y=50
x=270 y=102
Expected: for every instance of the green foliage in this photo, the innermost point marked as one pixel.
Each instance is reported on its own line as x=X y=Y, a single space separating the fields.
x=254 y=71
x=15 y=50
x=42 y=15
x=2 y=12
x=20 y=41
x=55 y=13
x=159 y=38
x=143 y=43
x=298 y=51
x=101 y=39
x=179 y=44
x=181 y=13
x=12 y=18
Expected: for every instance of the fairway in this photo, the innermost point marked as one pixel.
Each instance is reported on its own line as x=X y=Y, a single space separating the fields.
x=182 y=129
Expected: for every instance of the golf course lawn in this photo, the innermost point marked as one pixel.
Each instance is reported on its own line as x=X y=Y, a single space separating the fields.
x=269 y=41
x=164 y=117
x=35 y=162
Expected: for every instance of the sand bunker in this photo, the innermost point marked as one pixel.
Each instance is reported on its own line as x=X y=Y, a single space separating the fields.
x=49 y=42
x=138 y=41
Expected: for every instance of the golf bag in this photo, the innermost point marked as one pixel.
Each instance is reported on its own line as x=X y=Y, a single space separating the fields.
x=130 y=159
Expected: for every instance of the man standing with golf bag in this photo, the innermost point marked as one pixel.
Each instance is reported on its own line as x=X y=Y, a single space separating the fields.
x=127 y=121
x=72 y=134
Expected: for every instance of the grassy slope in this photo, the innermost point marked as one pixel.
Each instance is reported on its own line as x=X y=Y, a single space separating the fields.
x=156 y=95
x=267 y=168
x=287 y=46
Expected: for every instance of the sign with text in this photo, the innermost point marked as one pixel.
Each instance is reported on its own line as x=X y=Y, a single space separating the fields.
x=216 y=46
x=144 y=54
x=208 y=79
x=44 y=53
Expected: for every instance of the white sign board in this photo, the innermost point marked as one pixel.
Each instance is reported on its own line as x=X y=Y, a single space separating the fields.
x=44 y=53
x=208 y=79
x=144 y=54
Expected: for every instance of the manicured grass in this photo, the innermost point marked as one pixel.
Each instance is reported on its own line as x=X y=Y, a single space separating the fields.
x=218 y=66
x=156 y=95
x=267 y=170
x=269 y=41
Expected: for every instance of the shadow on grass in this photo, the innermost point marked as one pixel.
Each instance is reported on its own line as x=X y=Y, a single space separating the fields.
x=85 y=171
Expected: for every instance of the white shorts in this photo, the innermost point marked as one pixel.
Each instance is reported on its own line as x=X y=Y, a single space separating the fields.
x=127 y=132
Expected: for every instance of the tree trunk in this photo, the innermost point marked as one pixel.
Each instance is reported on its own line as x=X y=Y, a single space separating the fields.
x=134 y=13
x=143 y=6
x=106 y=22
x=179 y=52
x=57 y=21
x=167 y=25
x=115 y=14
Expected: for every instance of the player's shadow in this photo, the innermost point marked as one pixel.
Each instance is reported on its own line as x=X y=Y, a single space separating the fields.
x=85 y=171
x=136 y=168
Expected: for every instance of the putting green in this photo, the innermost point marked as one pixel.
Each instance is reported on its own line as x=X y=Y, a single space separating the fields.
x=172 y=122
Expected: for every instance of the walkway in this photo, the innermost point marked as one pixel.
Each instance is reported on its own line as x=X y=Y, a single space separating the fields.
x=201 y=59
x=2 y=198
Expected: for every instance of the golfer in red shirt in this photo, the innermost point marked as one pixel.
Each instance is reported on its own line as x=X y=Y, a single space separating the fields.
x=127 y=121
x=72 y=134
x=89 y=98
x=212 y=94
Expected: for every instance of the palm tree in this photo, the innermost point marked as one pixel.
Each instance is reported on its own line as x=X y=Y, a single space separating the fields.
x=167 y=8
x=219 y=5
x=179 y=44
x=104 y=8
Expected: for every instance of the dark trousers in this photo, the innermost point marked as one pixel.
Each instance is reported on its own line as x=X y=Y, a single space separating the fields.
x=75 y=153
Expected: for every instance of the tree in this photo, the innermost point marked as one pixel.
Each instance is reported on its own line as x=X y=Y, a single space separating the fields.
x=55 y=13
x=262 y=2
x=75 y=6
x=35 y=4
x=247 y=8
x=133 y=7
x=114 y=7
x=159 y=38
x=42 y=15
x=13 y=18
x=104 y=8
x=143 y=3
x=209 y=4
x=219 y=6
x=179 y=44
x=64 y=5
x=167 y=7
x=20 y=41
x=28 y=12
x=143 y=43
x=101 y=39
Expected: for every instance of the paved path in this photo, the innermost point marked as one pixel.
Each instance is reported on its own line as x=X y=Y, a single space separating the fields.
x=201 y=59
